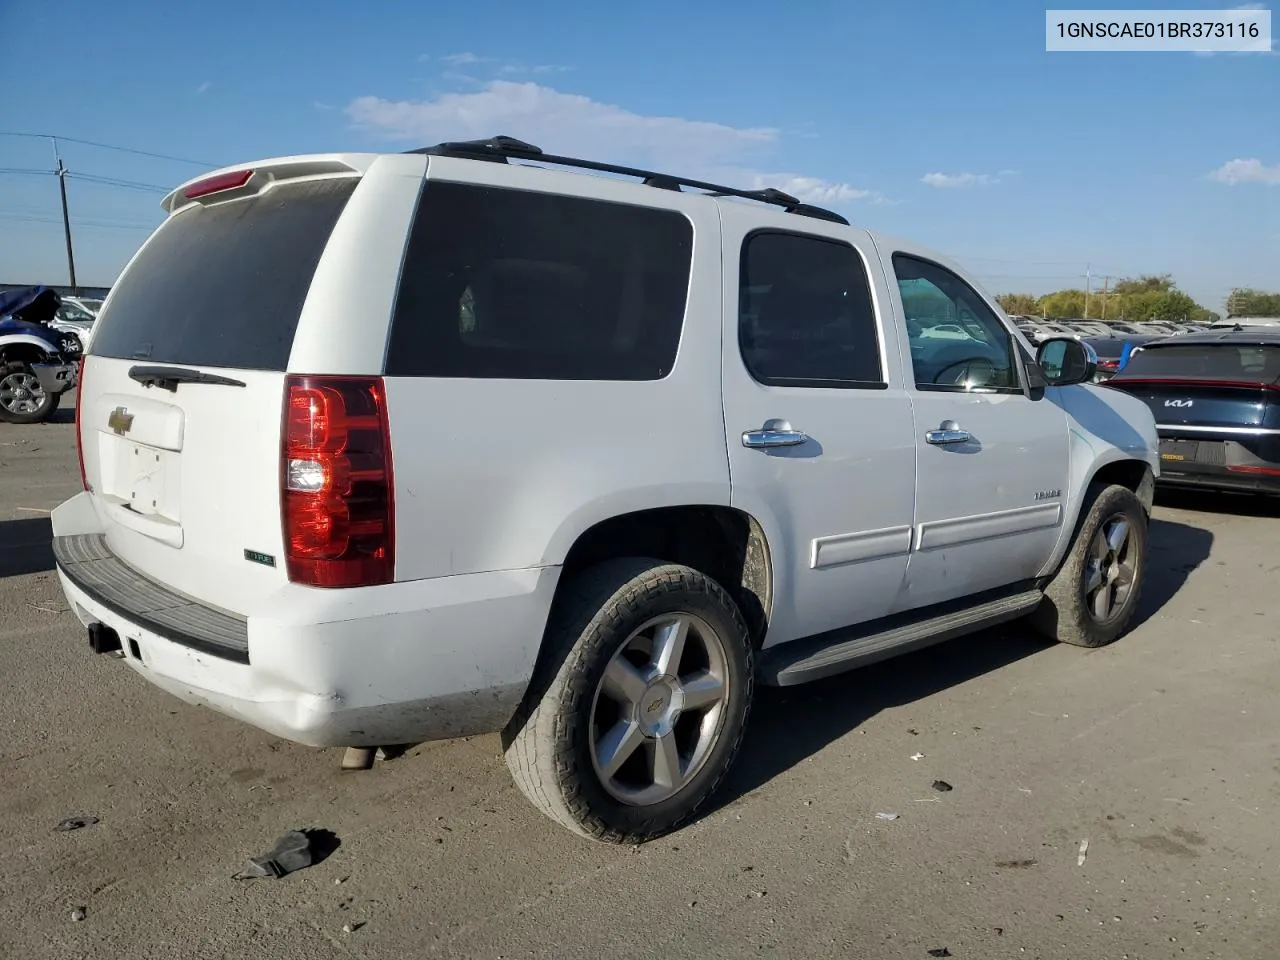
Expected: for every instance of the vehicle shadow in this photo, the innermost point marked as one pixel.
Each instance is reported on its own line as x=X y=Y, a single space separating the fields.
x=790 y=725
x=62 y=415
x=1174 y=550
x=26 y=546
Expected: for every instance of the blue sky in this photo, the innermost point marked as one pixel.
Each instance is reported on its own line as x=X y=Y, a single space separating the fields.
x=942 y=120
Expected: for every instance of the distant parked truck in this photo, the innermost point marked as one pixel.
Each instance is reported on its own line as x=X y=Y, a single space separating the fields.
x=37 y=358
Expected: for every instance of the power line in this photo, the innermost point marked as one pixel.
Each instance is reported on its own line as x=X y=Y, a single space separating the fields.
x=109 y=146
x=92 y=222
x=24 y=171
x=114 y=182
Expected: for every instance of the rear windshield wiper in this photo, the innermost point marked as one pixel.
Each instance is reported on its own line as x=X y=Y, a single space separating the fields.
x=168 y=378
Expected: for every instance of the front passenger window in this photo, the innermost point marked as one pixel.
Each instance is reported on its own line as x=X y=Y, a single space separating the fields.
x=957 y=342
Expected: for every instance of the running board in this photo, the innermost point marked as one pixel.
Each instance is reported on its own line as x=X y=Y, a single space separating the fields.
x=835 y=652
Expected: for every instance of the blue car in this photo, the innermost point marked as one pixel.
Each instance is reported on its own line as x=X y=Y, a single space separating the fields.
x=37 y=363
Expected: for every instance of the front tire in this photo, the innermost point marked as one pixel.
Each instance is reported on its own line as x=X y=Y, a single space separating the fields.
x=638 y=706
x=1092 y=599
x=22 y=399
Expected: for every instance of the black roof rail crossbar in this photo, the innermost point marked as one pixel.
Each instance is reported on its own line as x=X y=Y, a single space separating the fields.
x=502 y=148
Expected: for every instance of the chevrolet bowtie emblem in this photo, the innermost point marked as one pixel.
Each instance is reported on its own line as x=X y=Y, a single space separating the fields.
x=120 y=421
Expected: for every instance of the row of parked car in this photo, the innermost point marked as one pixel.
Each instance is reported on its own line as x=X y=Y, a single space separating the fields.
x=1037 y=329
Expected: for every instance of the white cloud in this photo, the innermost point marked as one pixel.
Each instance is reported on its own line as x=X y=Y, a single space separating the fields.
x=1239 y=53
x=464 y=59
x=947 y=180
x=576 y=125
x=204 y=87
x=811 y=189
x=1235 y=172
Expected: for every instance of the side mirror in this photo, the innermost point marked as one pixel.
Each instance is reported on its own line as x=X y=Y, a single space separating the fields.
x=1066 y=361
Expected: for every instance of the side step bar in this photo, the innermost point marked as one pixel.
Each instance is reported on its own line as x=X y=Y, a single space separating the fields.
x=831 y=653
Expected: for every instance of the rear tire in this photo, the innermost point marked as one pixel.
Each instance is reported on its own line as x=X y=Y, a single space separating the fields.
x=1095 y=593
x=22 y=399
x=639 y=702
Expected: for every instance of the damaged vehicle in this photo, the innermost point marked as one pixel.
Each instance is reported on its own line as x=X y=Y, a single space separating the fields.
x=38 y=361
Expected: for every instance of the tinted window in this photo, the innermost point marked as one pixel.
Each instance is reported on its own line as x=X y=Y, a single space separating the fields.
x=223 y=285
x=957 y=341
x=1248 y=362
x=805 y=316
x=518 y=285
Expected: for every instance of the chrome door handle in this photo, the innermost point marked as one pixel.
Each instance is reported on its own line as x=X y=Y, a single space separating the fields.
x=948 y=432
x=774 y=433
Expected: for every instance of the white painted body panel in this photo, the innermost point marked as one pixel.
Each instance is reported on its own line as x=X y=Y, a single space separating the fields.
x=499 y=474
x=837 y=509
x=196 y=481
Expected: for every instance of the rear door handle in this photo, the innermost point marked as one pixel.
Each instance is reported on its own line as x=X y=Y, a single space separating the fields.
x=774 y=433
x=948 y=432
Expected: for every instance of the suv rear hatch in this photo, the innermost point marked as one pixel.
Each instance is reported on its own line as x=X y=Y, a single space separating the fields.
x=182 y=397
x=1216 y=403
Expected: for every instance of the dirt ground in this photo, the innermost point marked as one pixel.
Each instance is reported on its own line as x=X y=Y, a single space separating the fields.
x=1162 y=751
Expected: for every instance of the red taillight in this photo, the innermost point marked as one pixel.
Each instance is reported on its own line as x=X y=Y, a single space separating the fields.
x=338 y=504
x=1257 y=471
x=1108 y=364
x=223 y=181
x=84 y=480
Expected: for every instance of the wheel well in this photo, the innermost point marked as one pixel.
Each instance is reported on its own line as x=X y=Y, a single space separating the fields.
x=21 y=353
x=1136 y=475
x=725 y=544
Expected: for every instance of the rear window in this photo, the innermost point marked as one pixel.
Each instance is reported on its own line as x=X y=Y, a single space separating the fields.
x=512 y=284
x=1247 y=362
x=223 y=285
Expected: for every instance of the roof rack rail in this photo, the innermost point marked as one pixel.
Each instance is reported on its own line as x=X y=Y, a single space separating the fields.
x=502 y=149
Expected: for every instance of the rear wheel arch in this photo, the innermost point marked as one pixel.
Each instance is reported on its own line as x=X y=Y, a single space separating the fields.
x=726 y=544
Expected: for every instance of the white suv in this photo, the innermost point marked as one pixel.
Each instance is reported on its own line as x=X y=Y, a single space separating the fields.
x=385 y=448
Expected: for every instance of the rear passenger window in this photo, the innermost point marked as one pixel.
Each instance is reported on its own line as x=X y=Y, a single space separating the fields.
x=805 y=316
x=511 y=284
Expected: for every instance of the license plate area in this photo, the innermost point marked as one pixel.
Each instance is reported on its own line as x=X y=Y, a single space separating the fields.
x=1206 y=453
x=144 y=480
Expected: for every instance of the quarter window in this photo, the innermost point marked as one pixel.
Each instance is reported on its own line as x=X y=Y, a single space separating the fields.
x=957 y=342
x=513 y=284
x=805 y=315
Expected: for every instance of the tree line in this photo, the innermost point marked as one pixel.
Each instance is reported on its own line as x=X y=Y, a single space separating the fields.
x=1144 y=298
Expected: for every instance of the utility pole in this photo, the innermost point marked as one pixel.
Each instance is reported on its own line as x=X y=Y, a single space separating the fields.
x=61 y=171
x=1106 y=282
x=1087 y=277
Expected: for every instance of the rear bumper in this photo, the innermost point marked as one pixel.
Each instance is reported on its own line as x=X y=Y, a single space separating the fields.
x=1214 y=462
x=1218 y=478
x=403 y=663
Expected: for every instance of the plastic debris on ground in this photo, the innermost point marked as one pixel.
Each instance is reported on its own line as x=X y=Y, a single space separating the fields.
x=294 y=851
x=942 y=786
x=917 y=756
x=887 y=816
x=75 y=823
x=1084 y=851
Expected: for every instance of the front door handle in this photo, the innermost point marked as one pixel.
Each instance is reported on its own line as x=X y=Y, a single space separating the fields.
x=774 y=433
x=948 y=432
